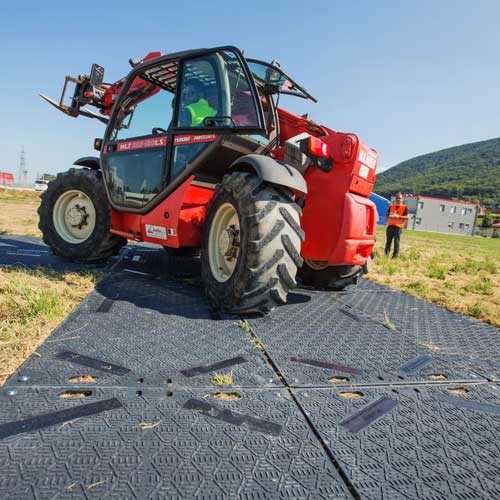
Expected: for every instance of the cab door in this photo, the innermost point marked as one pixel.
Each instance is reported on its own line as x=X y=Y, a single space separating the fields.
x=134 y=158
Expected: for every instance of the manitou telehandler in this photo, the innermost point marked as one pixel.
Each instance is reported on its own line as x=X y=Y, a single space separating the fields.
x=197 y=155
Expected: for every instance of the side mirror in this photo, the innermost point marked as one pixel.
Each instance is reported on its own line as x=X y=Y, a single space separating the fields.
x=96 y=75
x=97 y=144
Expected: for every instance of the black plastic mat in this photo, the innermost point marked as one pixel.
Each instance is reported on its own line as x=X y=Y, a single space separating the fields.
x=316 y=337
x=188 y=445
x=428 y=443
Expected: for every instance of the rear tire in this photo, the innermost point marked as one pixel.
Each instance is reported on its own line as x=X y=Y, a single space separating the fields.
x=251 y=245
x=331 y=277
x=75 y=217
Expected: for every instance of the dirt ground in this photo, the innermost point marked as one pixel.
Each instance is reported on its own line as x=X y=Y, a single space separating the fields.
x=18 y=212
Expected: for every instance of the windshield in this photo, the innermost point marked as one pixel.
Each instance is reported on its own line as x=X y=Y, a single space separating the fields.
x=272 y=76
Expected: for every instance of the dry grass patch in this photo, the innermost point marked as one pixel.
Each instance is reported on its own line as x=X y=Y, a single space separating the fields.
x=149 y=425
x=351 y=395
x=461 y=273
x=32 y=304
x=89 y=379
x=18 y=212
x=458 y=390
x=338 y=379
x=75 y=394
x=227 y=396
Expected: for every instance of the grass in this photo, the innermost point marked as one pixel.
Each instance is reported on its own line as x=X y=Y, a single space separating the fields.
x=32 y=304
x=222 y=379
x=387 y=322
x=461 y=273
x=18 y=214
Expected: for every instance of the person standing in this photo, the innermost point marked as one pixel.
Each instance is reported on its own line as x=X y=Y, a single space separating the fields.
x=397 y=216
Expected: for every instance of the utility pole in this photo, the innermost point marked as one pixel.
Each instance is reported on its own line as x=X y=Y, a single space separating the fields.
x=23 y=172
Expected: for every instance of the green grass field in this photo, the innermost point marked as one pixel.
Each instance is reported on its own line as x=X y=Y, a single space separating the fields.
x=461 y=273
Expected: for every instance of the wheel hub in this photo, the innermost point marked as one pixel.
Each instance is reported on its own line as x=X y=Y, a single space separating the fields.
x=74 y=216
x=224 y=242
x=229 y=242
x=77 y=216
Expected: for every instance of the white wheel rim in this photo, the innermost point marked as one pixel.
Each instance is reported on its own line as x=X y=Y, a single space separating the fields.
x=317 y=265
x=224 y=242
x=74 y=216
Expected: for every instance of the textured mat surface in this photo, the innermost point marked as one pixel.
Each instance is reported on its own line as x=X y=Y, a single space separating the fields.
x=187 y=445
x=473 y=344
x=119 y=401
x=156 y=331
x=30 y=252
x=317 y=328
x=436 y=443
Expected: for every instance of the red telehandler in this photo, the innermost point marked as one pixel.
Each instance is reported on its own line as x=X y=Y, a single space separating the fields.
x=198 y=155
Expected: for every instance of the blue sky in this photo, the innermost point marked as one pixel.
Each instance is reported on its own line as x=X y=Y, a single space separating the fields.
x=408 y=77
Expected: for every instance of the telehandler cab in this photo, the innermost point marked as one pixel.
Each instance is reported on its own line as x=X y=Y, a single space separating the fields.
x=197 y=155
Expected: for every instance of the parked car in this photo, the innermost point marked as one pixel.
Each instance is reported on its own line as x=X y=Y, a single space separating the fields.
x=41 y=185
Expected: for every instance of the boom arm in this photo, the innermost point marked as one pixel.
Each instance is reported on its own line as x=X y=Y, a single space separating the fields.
x=92 y=91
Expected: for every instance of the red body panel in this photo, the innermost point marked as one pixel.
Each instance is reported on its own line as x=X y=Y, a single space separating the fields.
x=338 y=218
x=176 y=222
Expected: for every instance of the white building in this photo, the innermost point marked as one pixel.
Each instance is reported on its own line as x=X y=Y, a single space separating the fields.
x=441 y=215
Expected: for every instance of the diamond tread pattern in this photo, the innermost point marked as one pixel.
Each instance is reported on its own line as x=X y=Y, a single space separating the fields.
x=423 y=449
x=318 y=326
x=156 y=321
x=154 y=328
x=154 y=448
x=471 y=344
x=30 y=252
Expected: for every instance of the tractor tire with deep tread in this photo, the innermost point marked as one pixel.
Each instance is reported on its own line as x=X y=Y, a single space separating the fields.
x=100 y=243
x=331 y=278
x=270 y=238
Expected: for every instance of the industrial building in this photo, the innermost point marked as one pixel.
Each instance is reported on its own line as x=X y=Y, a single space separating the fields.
x=441 y=215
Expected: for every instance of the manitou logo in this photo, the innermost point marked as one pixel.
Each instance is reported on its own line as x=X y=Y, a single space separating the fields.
x=156 y=232
x=369 y=158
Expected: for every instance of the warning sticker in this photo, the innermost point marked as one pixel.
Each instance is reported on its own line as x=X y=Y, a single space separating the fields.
x=363 y=171
x=156 y=232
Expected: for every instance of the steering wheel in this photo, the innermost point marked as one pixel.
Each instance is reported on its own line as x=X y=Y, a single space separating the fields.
x=158 y=130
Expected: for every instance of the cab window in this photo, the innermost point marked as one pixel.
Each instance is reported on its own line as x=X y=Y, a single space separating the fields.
x=152 y=115
x=215 y=94
x=136 y=157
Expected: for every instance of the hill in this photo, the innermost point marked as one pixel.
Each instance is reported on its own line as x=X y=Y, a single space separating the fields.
x=469 y=172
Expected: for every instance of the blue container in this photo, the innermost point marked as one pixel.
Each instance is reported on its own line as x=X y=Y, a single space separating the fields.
x=382 y=205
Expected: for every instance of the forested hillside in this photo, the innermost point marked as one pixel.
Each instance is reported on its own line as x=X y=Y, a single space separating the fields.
x=469 y=172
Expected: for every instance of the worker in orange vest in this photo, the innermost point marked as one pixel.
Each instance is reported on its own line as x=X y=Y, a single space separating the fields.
x=397 y=215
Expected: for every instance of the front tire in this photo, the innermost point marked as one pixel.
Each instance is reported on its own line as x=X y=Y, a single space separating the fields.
x=251 y=245
x=75 y=217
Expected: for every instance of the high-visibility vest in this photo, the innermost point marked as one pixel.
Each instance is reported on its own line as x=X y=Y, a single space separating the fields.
x=199 y=111
x=400 y=210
